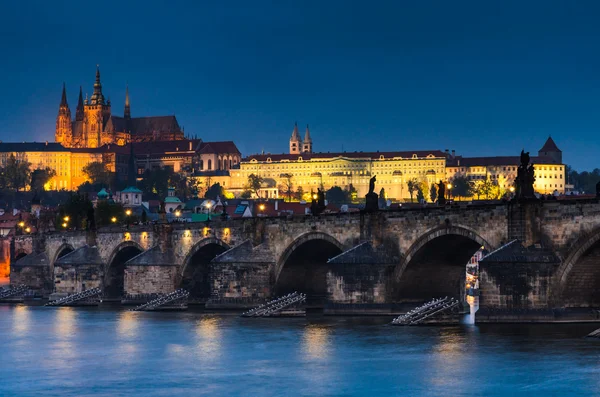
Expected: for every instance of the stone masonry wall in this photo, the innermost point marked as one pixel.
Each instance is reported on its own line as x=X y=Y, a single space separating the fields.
x=240 y=282
x=358 y=283
x=150 y=279
x=71 y=279
x=38 y=278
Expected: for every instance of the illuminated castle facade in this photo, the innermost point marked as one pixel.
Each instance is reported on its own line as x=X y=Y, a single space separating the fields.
x=95 y=125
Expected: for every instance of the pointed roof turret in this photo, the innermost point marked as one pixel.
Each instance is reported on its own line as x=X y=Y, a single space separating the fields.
x=63 y=100
x=550 y=146
x=79 y=110
x=127 y=112
x=295 y=134
x=307 y=135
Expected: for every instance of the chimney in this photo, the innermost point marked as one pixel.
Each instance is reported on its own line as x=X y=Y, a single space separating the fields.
x=46 y=143
x=190 y=145
x=447 y=152
x=276 y=205
x=453 y=153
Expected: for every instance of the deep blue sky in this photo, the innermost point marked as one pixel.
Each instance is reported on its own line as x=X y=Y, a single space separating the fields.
x=481 y=77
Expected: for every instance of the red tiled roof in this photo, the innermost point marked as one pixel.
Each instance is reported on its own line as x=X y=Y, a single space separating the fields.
x=349 y=155
x=219 y=147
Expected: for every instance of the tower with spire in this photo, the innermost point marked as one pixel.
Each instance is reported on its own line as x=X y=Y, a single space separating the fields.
x=295 y=141
x=307 y=144
x=64 y=128
x=96 y=114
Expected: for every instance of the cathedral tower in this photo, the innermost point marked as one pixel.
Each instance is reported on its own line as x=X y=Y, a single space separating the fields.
x=64 y=128
x=295 y=141
x=96 y=114
x=127 y=113
x=307 y=147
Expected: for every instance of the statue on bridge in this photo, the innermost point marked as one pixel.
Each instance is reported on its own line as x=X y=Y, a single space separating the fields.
x=598 y=189
x=318 y=202
x=372 y=201
x=441 y=193
x=525 y=178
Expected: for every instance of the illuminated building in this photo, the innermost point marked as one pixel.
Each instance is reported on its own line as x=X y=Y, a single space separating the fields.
x=550 y=172
x=67 y=162
x=312 y=171
x=95 y=125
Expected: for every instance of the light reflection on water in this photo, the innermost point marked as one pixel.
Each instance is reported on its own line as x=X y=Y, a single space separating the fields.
x=74 y=352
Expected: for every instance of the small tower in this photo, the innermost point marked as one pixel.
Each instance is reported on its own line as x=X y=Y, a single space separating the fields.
x=64 y=126
x=307 y=146
x=127 y=112
x=295 y=141
x=551 y=151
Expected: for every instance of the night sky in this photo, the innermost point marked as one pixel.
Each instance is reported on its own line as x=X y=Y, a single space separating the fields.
x=481 y=77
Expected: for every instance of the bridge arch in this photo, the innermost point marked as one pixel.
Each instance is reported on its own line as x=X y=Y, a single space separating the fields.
x=63 y=250
x=114 y=275
x=303 y=265
x=435 y=264
x=195 y=270
x=578 y=277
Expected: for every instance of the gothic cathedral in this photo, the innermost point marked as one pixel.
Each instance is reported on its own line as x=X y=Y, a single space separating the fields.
x=95 y=126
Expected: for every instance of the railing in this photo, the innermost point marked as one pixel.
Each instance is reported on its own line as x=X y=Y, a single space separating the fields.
x=175 y=298
x=16 y=290
x=276 y=306
x=427 y=310
x=79 y=296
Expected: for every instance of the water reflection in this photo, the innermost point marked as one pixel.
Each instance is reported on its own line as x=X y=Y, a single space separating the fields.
x=64 y=350
x=21 y=320
x=208 y=338
x=316 y=342
x=450 y=359
x=127 y=324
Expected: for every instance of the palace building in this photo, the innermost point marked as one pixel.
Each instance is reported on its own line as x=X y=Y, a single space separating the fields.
x=550 y=172
x=95 y=125
x=303 y=168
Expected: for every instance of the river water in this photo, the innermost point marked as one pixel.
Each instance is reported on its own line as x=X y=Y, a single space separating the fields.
x=105 y=352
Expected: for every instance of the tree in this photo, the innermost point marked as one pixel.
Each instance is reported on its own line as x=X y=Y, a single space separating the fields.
x=254 y=184
x=216 y=190
x=156 y=181
x=336 y=195
x=483 y=188
x=298 y=195
x=286 y=188
x=97 y=173
x=433 y=193
x=420 y=195
x=76 y=207
x=40 y=177
x=412 y=185
x=462 y=186
x=106 y=210
x=17 y=173
x=246 y=194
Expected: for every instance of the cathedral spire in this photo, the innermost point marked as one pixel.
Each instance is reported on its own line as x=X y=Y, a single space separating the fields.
x=79 y=110
x=63 y=100
x=127 y=105
x=97 y=98
x=307 y=144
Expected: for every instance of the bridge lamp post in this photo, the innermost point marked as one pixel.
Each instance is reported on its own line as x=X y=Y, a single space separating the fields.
x=27 y=229
x=261 y=208
x=208 y=207
x=449 y=190
x=128 y=213
x=113 y=219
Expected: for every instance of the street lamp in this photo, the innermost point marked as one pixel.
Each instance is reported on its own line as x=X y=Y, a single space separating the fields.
x=177 y=213
x=113 y=219
x=128 y=212
x=21 y=224
x=66 y=219
x=512 y=189
x=449 y=190
x=64 y=225
x=208 y=207
x=261 y=207
x=28 y=230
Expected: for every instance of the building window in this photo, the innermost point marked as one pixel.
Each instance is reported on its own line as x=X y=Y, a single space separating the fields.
x=209 y=164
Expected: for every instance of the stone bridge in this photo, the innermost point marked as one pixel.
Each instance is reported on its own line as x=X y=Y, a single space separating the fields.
x=382 y=258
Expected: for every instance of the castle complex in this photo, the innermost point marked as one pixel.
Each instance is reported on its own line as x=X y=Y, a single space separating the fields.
x=95 y=125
